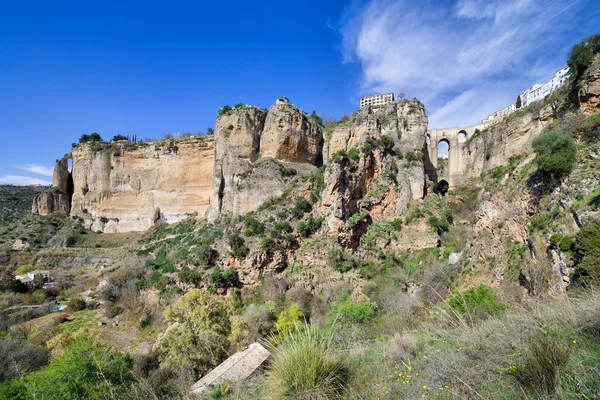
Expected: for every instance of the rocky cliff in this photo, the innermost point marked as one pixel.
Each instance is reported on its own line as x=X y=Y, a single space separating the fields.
x=386 y=171
x=124 y=186
x=250 y=144
x=57 y=199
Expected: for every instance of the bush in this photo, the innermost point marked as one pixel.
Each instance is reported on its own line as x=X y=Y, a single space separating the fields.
x=386 y=143
x=312 y=225
x=342 y=261
x=564 y=243
x=480 y=298
x=75 y=304
x=354 y=154
x=304 y=367
x=238 y=246
x=582 y=55
x=93 y=138
x=587 y=254
x=224 y=110
x=255 y=227
x=196 y=338
x=556 y=155
x=87 y=370
x=301 y=207
x=545 y=359
x=439 y=225
x=18 y=357
x=348 y=312
x=189 y=276
x=412 y=156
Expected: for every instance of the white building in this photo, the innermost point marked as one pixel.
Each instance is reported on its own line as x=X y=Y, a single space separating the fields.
x=534 y=93
x=377 y=100
x=539 y=91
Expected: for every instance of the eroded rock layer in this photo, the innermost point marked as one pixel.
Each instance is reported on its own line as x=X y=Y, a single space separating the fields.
x=124 y=186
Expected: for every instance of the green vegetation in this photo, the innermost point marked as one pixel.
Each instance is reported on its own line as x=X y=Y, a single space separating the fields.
x=15 y=201
x=476 y=299
x=91 y=138
x=305 y=367
x=587 y=254
x=556 y=154
x=87 y=370
x=238 y=246
x=312 y=225
x=582 y=55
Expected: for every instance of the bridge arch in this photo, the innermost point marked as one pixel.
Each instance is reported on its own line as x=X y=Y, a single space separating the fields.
x=456 y=137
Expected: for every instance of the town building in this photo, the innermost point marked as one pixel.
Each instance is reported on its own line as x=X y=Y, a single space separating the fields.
x=533 y=94
x=377 y=100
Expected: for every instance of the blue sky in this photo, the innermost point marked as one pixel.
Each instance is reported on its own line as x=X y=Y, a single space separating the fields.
x=151 y=68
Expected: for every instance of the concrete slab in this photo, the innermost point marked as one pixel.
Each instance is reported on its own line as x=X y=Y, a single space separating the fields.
x=239 y=366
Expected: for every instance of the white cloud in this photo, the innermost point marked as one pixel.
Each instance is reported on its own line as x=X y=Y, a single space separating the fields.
x=447 y=55
x=22 y=180
x=37 y=169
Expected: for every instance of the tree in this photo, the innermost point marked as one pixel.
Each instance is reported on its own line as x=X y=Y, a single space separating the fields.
x=316 y=117
x=401 y=95
x=345 y=118
x=116 y=138
x=87 y=370
x=92 y=137
x=556 y=154
x=210 y=131
x=519 y=102
x=197 y=337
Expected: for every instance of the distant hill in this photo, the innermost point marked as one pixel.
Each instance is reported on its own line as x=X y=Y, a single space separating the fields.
x=15 y=201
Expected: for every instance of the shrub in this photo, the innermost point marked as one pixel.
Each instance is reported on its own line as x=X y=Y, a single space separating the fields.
x=304 y=367
x=564 y=243
x=224 y=278
x=189 y=276
x=75 y=304
x=93 y=138
x=545 y=359
x=224 y=110
x=87 y=370
x=281 y=227
x=556 y=154
x=18 y=357
x=582 y=55
x=288 y=319
x=587 y=254
x=346 y=311
x=480 y=298
x=412 y=156
x=439 y=225
x=342 y=261
x=238 y=246
x=255 y=227
x=354 y=154
x=301 y=207
x=312 y=225
x=196 y=338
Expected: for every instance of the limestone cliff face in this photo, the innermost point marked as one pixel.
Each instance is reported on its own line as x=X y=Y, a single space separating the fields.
x=383 y=181
x=249 y=143
x=589 y=88
x=57 y=199
x=124 y=186
x=511 y=137
x=289 y=136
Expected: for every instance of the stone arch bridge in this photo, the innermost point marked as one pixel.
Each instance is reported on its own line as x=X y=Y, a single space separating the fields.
x=455 y=138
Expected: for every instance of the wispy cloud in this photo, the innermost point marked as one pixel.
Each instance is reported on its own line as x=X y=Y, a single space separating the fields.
x=22 y=180
x=452 y=55
x=37 y=169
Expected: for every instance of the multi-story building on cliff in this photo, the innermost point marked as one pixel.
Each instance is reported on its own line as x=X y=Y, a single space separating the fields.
x=534 y=93
x=377 y=100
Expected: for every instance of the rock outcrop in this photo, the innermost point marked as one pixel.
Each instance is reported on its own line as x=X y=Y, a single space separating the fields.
x=57 y=199
x=387 y=176
x=589 y=88
x=250 y=144
x=124 y=186
x=290 y=136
